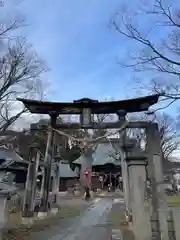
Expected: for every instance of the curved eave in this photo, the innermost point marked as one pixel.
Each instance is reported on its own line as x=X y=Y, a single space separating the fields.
x=78 y=163
x=13 y=168
x=107 y=164
x=129 y=105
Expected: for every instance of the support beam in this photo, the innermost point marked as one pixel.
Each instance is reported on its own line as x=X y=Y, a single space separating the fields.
x=47 y=171
x=28 y=204
x=35 y=178
x=108 y=125
x=123 y=153
x=125 y=175
x=56 y=178
x=42 y=164
x=45 y=164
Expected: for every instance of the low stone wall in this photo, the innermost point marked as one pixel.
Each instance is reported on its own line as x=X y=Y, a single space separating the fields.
x=176 y=222
x=173 y=224
x=14 y=204
x=173 y=220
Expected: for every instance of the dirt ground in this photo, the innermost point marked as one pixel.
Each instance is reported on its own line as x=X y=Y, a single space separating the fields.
x=68 y=209
x=117 y=220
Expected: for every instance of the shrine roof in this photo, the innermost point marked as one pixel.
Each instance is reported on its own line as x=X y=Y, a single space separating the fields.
x=66 y=172
x=104 y=154
x=10 y=159
x=98 y=107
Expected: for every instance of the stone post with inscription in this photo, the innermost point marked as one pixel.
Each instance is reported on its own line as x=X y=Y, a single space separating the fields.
x=155 y=171
x=137 y=183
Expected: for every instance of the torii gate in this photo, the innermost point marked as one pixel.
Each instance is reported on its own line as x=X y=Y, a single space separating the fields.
x=86 y=108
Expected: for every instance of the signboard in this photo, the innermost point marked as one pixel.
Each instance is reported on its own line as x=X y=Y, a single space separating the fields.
x=86 y=117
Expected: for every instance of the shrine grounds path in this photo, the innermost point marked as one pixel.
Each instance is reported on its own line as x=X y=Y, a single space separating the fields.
x=92 y=223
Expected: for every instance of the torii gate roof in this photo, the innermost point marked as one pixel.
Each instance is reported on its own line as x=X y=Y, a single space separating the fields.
x=97 y=107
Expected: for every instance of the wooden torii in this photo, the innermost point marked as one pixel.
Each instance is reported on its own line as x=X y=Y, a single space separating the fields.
x=85 y=107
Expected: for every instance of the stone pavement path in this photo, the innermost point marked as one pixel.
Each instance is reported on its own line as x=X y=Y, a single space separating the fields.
x=90 y=225
x=117 y=207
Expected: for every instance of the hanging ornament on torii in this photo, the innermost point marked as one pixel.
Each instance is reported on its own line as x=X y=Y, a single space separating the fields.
x=88 y=141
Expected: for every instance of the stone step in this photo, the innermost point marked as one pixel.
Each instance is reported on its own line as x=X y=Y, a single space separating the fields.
x=116 y=234
x=118 y=200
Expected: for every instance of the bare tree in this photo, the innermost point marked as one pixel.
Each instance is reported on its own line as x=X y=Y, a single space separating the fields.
x=169 y=135
x=101 y=118
x=21 y=73
x=169 y=132
x=158 y=55
x=20 y=76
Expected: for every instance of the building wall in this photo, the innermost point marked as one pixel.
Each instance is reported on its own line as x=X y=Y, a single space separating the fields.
x=66 y=183
x=95 y=183
x=20 y=176
x=62 y=185
x=71 y=183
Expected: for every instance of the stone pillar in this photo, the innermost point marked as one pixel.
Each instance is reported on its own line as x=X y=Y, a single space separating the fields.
x=4 y=213
x=155 y=171
x=176 y=221
x=137 y=183
x=127 y=148
x=56 y=178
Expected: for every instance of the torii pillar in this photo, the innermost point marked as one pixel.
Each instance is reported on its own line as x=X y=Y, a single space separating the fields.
x=155 y=171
